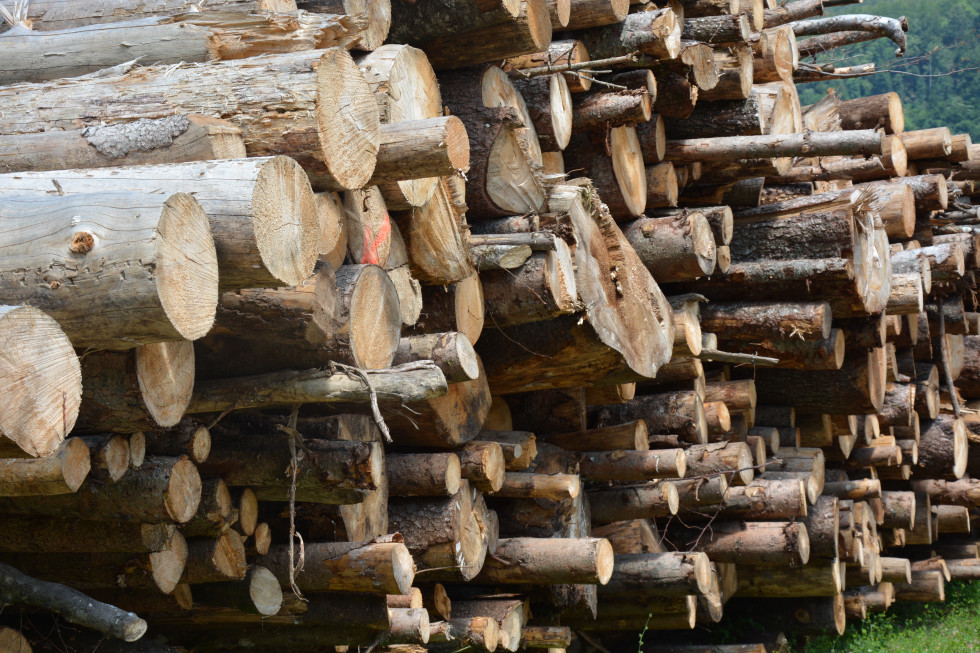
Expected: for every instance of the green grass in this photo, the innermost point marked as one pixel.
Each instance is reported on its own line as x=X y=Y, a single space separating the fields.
x=950 y=627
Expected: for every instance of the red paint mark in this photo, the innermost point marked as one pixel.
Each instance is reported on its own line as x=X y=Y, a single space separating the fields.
x=370 y=253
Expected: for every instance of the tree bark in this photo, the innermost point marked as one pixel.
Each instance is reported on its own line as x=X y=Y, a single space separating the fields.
x=674 y=248
x=654 y=33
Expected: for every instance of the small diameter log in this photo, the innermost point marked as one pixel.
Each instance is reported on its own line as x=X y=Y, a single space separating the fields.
x=758 y=320
x=70 y=604
x=780 y=543
x=896 y=570
x=372 y=567
x=11 y=640
x=659 y=575
x=857 y=490
x=412 y=475
x=215 y=510
x=629 y=435
x=518 y=485
x=417 y=150
x=874 y=111
x=214 y=560
x=601 y=110
x=332 y=471
x=952 y=519
x=734 y=459
x=632 y=465
x=258 y=593
x=61 y=472
x=964 y=492
x=963 y=569
x=819 y=578
x=482 y=464
x=699 y=493
x=543 y=288
x=825 y=354
x=550 y=637
x=32 y=534
x=724 y=149
x=926 y=586
x=899 y=509
x=480 y=633
x=658 y=499
x=656 y=34
x=408 y=626
x=678 y=412
x=548 y=561
x=162 y=490
x=188 y=437
x=674 y=248
x=762 y=499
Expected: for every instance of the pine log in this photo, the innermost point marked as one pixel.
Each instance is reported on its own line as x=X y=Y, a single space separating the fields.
x=560 y=52
x=779 y=543
x=864 y=142
x=330 y=472
x=674 y=248
x=541 y=289
x=629 y=435
x=926 y=586
x=548 y=561
x=616 y=170
x=215 y=510
x=933 y=143
x=441 y=30
x=384 y=567
x=658 y=574
x=757 y=320
x=372 y=18
x=943 y=448
x=549 y=104
x=874 y=111
x=61 y=472
x=332 y=107
x=647 y=501
x=821 y=578
x=632 y=465
x=962 y=492
x=423 y=474
x=482 y=463
x=761 y=499
x=654 y=33
x=188 y=437
x=601 y=110
x=214 y=560
x=160 y=491
x=109 y=456
x=678 y=412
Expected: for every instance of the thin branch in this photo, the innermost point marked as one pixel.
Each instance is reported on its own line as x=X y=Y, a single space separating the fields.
x=570 y=67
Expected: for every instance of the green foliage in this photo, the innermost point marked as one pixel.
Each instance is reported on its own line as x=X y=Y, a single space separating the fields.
x=953 y=26
x=950 y=627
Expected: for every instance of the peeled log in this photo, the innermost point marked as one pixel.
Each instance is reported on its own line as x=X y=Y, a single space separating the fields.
x=157 y=291
x=331 y=110
x=43 y=377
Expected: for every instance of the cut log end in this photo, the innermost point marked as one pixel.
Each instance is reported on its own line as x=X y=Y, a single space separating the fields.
x=165 y=371
x=604 y=560
x=183 y=490
x=186 y=266
x=43 y=376
x=265 y=591
x=375 y=334
x=285 y=218
x=349 y=125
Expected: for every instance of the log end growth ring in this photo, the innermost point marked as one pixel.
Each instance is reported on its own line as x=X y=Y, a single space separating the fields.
x=604 y=557
x=42 y=378
x=375 y=323
x=349 y=125
x=187 y=266
x=286 y=220
x=165 y=371
x=265 y=592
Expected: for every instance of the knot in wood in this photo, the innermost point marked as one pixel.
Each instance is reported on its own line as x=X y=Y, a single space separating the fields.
x=82 y=242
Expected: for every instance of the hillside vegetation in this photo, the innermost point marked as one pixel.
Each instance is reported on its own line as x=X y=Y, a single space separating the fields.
x=953 y=26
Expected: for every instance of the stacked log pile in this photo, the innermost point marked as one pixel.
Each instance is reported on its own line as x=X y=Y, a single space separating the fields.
x=431 y=325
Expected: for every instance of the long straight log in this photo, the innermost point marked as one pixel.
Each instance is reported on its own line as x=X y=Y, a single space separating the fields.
x=331 y=109
x=371 y=567
x=548 y=561
x=865 y=142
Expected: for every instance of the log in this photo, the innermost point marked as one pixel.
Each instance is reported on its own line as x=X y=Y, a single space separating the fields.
x=778 y=543
x=215 y=560
x=549 y=103
x=619 y=176
x=874 y=111
x=864 y=142
x=191 y=36
x=962 y=492
x=372 y=18
x=331 y=471
x=658 y=575
x=735 y=74
x=548 y=561
x=632 y=465
x=423 y=474
x=657 y=499
x=482 y=463
x=601 y=110
x=332 y=107
x=11 y=640
x=733 y=459
x=943 y=448
x=370 y=567
x=629 y=435
x=145 y=389
x=674 y=248
x=815 y=579
x=162 y=490
x=656 y=34
x=759 y=320
x=160 y=303
x=44 y=375
x=933 y=143
x=258 y=593
x=567 y=52
x=926 y=586
x=188 y=437
x=173 y=139
x=441 y=30
x=70 y=604
x=543 y=288
x=61 y=472
x=678 y=412
x=519 y=485
x=32 y=534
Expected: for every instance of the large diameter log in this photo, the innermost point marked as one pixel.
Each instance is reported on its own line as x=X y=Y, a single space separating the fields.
x=331 y=111
x=548 y=561
x=70 y=604
x=43 y=375
x=159 y=292
x=943 y=448
x=172 y=139
x=192 y=36
x=855 y=389
x=162 y=490
x=676 y=248
x=866 y=142
x=658 y=574
x=373 y=567
x=331 y=471
x=261 y=211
